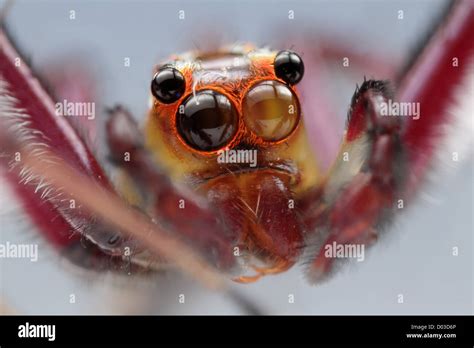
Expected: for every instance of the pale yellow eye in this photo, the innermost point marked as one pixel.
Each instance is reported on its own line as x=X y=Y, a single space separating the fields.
x=271 y=110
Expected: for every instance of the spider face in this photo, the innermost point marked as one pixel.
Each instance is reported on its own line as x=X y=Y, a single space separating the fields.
x=244 y=95
x=235 y=99
x=241 y=102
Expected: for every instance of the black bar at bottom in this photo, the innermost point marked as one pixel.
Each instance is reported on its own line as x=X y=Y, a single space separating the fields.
x=136 y=330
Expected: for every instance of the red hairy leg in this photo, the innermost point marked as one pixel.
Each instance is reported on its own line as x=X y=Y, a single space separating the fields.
x=434 y=81
x=71 y=79
x=357 y=197
x=320 y=116
x=115 y=212
x=29 y=113
x=362 y=183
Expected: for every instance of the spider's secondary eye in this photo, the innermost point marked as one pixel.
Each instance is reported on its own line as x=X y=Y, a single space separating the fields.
x=168 y=85
x=207 y=121
x=271 y=110
x=289 y=67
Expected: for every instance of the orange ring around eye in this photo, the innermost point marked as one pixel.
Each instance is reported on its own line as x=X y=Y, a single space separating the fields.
x=207 y=121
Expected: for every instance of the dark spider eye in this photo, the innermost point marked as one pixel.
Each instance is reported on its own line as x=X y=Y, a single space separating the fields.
x=168 y=85
x=289 y=67
x=207 y=120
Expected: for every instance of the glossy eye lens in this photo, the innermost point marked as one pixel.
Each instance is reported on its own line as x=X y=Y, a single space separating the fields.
x=271 y=110
x=207 y=121
x=168 y=85
x=289 y=67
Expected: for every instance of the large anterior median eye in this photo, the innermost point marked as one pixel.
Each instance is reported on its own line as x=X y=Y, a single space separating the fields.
x=271 y=110
x=207 y=121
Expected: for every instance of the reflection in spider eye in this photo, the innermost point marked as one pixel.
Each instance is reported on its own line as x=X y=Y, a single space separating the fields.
x=289 y=67
x=271 y=110
x=168 y=85
x=207 y=121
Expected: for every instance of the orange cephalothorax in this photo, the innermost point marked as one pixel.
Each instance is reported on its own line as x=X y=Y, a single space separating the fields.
x=229 y=123
x=205 y=104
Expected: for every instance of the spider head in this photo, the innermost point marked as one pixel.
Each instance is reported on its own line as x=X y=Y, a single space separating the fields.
x=241 y=99
x=231 y=121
